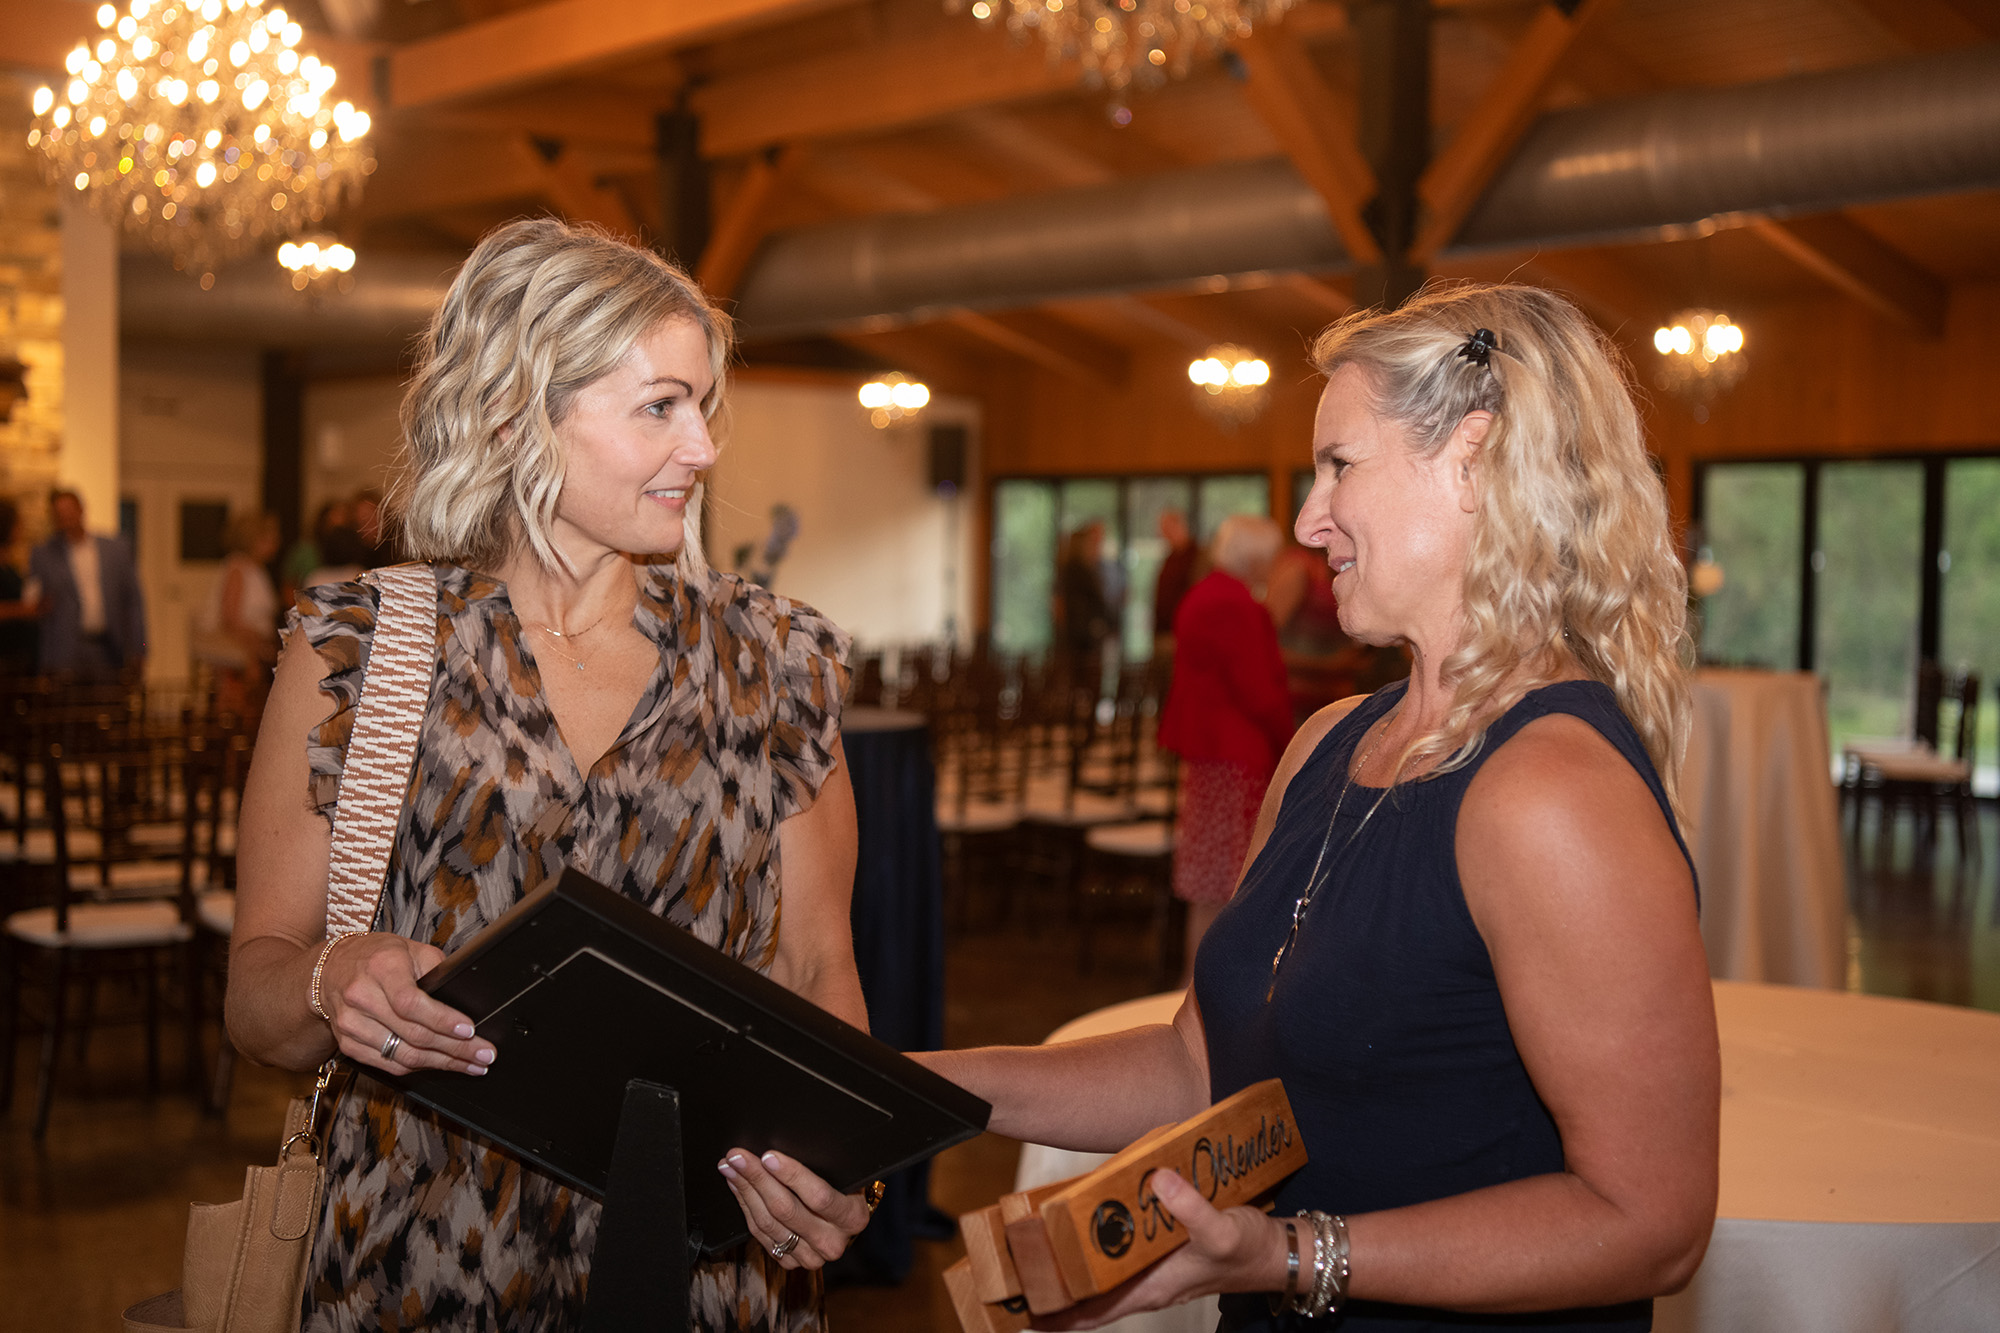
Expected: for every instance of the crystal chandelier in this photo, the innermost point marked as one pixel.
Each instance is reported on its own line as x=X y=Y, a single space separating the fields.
x=1701 y=356
x=1127 y=43
x=201 y=125
x=1230 y=382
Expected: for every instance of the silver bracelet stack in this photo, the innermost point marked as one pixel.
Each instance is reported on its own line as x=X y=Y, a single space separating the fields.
x=1328 y=1290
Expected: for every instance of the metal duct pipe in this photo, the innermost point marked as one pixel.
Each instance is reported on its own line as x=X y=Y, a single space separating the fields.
x=391 y=301
x=1234 y=218
x=1636 y=168
x=1617 y=171
x=1624 y=170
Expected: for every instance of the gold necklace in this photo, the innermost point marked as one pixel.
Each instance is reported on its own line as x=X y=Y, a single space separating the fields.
x=564 y=637
x=1313 y=882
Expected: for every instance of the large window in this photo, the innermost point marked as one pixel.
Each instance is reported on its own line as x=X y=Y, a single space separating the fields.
x=1751 y=532
x=1857 y=570
x=1871 y=538
x=1969 y=569
x=1032 y=515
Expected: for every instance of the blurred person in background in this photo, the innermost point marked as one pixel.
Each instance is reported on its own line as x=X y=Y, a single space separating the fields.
x=17 y=610
x=1087 y=619
x=1228 y=716
x=236 y=629
x=93 y=613
x=367 y=518
x=1177 y=573
x=1322 y=665
x=309 y=551
x=344 y=557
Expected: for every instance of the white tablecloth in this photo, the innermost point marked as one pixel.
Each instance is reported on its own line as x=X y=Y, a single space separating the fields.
x=1764 y=829
x=1040 y=1164
x=1860 y=1168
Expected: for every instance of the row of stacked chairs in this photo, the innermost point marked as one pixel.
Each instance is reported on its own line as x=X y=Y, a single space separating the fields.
x=1053 y=795
x=117 y=866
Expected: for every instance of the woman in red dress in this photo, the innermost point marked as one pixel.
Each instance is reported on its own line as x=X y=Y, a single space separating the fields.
x=1228 y=716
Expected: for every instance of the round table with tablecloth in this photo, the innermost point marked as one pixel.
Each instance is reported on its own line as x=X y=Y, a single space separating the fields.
x=1860 y=1188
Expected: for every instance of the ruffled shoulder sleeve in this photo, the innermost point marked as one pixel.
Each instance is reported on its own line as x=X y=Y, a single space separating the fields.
x=806 y=656
x=338 y=620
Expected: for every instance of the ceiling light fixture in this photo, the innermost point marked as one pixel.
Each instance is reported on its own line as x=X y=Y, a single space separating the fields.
x=318 y=262
x=893 y=398
x=1230 y=381
x=1701 y=356
x=203 y=127
x=1126 y=43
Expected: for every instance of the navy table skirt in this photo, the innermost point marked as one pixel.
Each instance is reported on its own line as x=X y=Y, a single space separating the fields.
x=898 y=920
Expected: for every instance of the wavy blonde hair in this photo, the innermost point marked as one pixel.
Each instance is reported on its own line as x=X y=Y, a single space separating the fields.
x=1572 y=548
x=541 y=309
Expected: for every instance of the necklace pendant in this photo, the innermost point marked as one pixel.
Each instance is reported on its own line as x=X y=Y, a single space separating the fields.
x=579 y=666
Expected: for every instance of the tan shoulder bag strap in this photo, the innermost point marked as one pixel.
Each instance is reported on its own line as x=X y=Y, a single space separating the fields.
x=395 y=687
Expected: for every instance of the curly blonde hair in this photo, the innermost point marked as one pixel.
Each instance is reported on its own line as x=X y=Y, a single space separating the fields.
x=1572 y=551
x=541 y=309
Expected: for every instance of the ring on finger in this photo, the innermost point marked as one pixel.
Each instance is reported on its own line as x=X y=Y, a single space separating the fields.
x=785 y=1246
x=390 y=1044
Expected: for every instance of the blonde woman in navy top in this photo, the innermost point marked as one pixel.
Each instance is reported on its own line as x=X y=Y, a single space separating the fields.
x=1465 y=935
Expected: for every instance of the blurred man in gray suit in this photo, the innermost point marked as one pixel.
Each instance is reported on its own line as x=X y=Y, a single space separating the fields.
x=93 y=614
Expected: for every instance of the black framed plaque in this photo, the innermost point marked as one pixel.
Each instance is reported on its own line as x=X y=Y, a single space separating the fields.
x=586 y=995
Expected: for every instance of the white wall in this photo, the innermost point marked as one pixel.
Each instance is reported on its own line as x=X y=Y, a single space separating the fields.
x=191 y=428
x=878 y=551
x=351 y=435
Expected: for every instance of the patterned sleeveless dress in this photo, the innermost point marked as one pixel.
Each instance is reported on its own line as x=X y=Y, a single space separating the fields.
x=425 y=1227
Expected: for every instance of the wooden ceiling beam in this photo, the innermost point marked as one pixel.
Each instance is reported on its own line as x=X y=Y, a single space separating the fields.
x=433 y=173
x=1864 y=267
x=1316 y=130
x=1150 y=319
x=616 y=120
x=564 y=38
x=744 y=221
x=573 y=187
x=1935 y=25
x=1051 y=344
x=1456 y=178
x=1604 y=285
x=1004 y=134
x=1328 y=299
x=900 y=81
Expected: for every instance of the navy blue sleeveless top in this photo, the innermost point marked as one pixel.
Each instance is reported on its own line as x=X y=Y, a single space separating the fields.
x=1386 y=1025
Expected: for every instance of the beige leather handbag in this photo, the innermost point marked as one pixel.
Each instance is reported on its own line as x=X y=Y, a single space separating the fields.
x=244 y=1267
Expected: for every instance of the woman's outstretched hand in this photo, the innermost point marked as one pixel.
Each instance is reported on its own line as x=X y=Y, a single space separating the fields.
x=799 y=1219
x=1230 y=1249
x=369 y=988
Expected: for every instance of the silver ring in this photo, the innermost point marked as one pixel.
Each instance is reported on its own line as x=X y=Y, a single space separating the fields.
x=389 y=1045
x=785 y=1246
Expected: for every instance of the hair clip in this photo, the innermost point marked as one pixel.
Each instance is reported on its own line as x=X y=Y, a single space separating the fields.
x=1480 y=347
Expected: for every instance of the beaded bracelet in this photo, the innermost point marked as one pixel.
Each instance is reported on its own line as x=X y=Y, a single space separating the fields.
x=1330 y=1264
x=319 y=966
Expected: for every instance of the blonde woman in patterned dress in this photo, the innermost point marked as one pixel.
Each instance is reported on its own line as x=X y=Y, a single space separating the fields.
x=603 y=700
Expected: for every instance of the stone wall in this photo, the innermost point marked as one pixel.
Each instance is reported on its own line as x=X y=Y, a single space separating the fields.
x=31 y=308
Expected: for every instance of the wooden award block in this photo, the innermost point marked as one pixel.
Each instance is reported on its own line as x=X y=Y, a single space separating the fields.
x=1108 y=1225
x=1034 y=1258
x=977 y=1316
x=985 y=1234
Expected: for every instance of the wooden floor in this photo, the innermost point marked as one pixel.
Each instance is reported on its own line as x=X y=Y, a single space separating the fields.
x=92 y=1219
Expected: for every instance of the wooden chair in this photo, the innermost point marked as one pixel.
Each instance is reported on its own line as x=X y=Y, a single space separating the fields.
x=115 y=905
x=1917 y=776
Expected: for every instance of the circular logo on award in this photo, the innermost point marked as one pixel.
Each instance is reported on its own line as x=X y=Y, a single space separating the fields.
x=1111 y=1224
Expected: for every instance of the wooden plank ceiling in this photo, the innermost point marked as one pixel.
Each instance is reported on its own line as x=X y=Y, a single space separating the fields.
x=812 y=110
